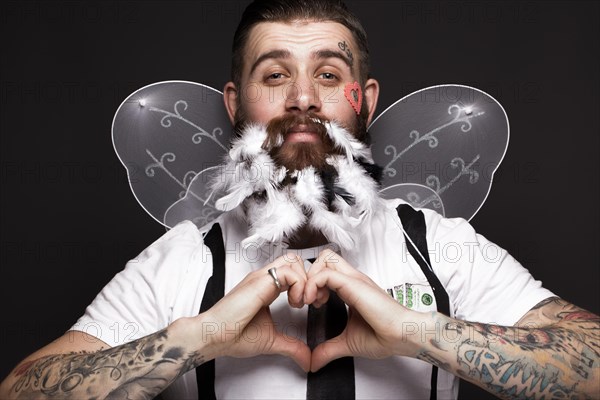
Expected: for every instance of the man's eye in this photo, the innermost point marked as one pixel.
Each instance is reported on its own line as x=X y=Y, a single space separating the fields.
x=275 y=76
x=328 y=76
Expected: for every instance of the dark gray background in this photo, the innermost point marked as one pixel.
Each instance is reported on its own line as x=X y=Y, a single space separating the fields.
x=69 y=221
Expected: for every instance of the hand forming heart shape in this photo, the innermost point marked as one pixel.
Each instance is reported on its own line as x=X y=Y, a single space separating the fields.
x=371 y=330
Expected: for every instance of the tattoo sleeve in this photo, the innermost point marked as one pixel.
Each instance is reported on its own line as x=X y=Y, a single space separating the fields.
x=552 y=353
x=137 y=370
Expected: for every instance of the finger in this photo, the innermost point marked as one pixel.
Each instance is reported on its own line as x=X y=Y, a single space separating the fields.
x=293 y=348
x=317 y=266
x=291 y=262
x=330 y=259
x=327 y=261
x=328 y=351
x=258 y=290
x=296 y=262
x=320 y=297
x=296 y=293
x=315 y=295
x=372 y=302
x=291 y=281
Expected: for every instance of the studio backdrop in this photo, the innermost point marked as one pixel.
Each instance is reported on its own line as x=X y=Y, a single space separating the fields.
x=69 y=221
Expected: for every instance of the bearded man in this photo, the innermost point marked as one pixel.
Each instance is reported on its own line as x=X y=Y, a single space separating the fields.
x=207 y=309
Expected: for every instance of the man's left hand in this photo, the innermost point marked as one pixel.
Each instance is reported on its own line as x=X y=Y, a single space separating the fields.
x=374 y=328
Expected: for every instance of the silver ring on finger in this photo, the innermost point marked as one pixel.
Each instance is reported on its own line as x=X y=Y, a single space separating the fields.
x=273 y=273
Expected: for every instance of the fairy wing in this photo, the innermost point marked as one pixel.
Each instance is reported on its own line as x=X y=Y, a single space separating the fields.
x=168 y=135
x=440 y=147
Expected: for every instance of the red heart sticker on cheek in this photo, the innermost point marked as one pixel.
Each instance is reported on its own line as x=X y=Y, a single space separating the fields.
x=353 y=94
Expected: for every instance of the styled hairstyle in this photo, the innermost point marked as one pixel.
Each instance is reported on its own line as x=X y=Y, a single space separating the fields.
x=291 y=10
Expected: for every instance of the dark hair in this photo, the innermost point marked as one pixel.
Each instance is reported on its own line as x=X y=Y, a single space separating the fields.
x=289 y=10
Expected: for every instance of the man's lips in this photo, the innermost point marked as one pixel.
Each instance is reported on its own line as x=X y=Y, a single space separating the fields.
x=302 y=134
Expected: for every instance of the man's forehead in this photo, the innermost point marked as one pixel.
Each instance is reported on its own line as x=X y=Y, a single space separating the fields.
x=300 y=38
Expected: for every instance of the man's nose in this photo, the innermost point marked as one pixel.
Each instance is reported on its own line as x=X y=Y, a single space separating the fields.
x=302 y=95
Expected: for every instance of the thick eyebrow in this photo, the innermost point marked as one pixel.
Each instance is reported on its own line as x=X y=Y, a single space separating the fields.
x=319 y=54
x=334 y=54
x=278 y=54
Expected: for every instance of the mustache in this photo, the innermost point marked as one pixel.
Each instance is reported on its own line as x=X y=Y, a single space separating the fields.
x=278 y=128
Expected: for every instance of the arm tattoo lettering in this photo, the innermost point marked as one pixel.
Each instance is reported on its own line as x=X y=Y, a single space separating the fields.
x=139 y=369
x=557 y=359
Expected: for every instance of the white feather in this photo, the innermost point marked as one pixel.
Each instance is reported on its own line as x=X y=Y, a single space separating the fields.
x=310 y=193
x=351 y=146
x=249 y=170
x=278 y=213
x=309 y=188
x=249 y=144
x=333 y=226
x=356 y=181
x=272 y=221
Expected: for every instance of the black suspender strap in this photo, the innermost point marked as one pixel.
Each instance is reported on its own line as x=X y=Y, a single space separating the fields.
x=413 y=222
x=336 y=379
x=215 y=289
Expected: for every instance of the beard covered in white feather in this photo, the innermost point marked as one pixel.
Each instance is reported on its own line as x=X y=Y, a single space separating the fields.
x=277 y=202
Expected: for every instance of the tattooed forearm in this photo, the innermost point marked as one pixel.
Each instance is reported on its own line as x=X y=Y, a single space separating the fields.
x=140 y=369
x=557 y=359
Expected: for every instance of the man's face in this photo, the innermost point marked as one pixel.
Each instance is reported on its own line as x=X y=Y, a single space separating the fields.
x=294 y=72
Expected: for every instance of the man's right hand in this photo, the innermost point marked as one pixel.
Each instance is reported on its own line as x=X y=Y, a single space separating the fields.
x=73 y=367
x=240 y=324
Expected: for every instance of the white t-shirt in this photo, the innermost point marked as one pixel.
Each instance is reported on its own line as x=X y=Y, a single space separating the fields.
x=167 y=281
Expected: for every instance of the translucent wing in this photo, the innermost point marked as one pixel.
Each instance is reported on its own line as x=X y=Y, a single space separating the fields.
x=166 y=134
x=198 y=204
x=439 y=148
